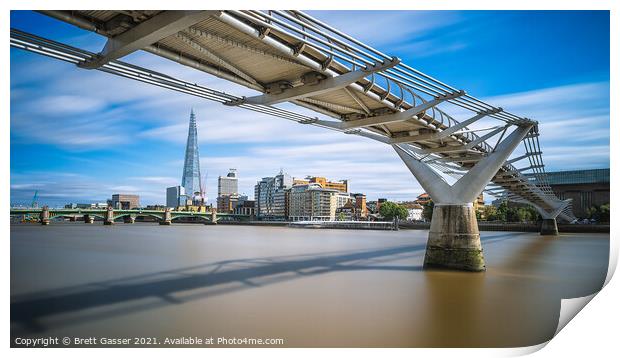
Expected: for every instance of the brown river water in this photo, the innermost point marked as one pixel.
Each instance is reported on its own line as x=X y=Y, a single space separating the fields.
x=308 y=287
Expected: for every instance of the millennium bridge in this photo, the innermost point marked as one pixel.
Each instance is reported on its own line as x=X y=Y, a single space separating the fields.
x=109 y=216
x=289 y=56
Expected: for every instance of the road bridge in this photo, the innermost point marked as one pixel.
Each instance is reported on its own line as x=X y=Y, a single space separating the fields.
x=289 y=56
x=110 y=215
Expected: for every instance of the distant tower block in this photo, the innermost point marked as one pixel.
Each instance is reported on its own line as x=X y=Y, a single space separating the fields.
x=191 y=167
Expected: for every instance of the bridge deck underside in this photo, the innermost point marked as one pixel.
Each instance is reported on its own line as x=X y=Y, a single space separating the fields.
x=263 y=54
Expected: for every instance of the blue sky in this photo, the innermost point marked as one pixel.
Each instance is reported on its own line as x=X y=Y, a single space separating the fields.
x=80 y=136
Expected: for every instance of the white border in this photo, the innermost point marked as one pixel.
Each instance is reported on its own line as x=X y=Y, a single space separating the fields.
x=592 y=331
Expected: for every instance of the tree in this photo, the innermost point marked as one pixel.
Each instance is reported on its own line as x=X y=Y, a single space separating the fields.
x=490 y=213
x=598 y=213
x=604 y=213
x=427 y=211
x=341 y=216
x=390 y=210
x=512 y=215
x=502 y=211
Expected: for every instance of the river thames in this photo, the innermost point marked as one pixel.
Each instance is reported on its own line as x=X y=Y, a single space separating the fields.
x=308 y=287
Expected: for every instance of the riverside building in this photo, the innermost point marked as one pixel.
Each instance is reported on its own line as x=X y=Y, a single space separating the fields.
x=227 y=192
x=342 y=185
x=271 y=197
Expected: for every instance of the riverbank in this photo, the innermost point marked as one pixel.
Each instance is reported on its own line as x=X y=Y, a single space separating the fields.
x=347 y=225
x=517 y=227
x=482 y=226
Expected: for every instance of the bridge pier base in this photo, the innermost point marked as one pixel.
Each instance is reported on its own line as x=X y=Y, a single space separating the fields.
x=167 y=220
x=72 y=218
x=549 y=227
x=454 y=239
x=213 y=217
x=109 y=217
x=88 y=219
x=129 y=219
x=45 y=216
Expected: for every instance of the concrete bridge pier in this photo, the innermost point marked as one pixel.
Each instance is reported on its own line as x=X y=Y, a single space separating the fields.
x=167 y=220
x=89 y=219
x=44 y=217
x=454 y=239
x=128 y=219
x=549 y=225
x=72 y=218
x=109 y=217
x=213 y=216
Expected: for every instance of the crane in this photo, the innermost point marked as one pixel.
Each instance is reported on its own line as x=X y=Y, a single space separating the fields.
x=203 y=191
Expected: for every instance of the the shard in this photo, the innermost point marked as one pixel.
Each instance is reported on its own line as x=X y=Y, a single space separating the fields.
x=191 y=167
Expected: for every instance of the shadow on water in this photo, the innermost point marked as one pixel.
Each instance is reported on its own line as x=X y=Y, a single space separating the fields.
x=28 y=310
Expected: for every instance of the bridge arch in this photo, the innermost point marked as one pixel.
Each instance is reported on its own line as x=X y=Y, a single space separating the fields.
x=188 y=215
x=64 y=215
x=136 y=215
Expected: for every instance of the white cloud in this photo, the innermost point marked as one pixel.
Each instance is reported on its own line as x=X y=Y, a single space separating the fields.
x=381 y=28
x=68 y=104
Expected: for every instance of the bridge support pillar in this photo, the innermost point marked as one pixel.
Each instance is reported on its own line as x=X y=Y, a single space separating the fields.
x=44 y=217
x=109 y=217
x=213 y=217
x=129 y=219
x=454 y=239
x=72 y=218
x=549 y=227
x=167 y=220
x=88 y=219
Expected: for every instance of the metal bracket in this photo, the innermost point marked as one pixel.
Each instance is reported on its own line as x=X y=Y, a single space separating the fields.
x=323 y=86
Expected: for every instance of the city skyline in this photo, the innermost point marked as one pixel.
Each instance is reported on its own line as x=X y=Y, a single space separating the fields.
x=74 y=152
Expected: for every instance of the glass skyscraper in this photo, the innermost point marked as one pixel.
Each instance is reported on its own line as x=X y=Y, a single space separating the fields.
x=191 y=167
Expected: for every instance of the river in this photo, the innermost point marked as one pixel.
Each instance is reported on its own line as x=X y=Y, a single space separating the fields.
x=308 y=287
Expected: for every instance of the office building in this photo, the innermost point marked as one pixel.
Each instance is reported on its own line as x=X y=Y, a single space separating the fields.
x=360 y=205
x=271 y=197
x=312 y=202
x=342 y=186
x=379 y=202
x=228 y=203
x=124 y=201
x=191 y=181
x=342 y=198
x=348 y=212
x=227 y=192
x=245 y=207
x=176 y=197
x=229 y=184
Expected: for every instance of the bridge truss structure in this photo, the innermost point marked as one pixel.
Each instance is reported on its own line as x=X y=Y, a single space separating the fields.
x=290 y=56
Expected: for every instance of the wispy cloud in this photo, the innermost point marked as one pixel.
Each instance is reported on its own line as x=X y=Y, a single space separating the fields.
x=384 y=28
